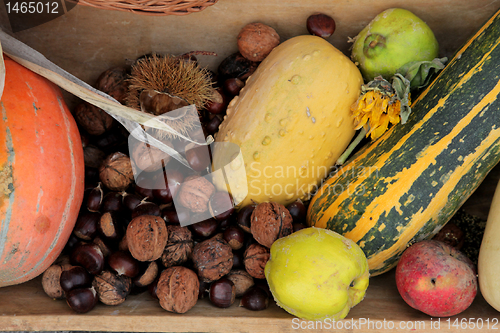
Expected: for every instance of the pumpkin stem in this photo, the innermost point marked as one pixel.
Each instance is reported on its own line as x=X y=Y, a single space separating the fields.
x=341 y=160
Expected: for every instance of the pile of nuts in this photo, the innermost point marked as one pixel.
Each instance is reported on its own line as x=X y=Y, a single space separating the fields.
x=128 y=239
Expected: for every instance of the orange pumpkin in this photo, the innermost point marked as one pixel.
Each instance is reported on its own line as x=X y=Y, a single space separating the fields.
x=41 y=174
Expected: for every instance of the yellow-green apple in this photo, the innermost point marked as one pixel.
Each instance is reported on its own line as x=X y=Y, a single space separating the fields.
x=392 y=39
x=316 y=274
x=436 y=278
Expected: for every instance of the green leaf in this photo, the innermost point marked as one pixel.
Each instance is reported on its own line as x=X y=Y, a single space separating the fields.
x=419 y=73
x=401 y=86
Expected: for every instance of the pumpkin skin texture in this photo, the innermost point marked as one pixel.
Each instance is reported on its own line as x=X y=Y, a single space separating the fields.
x=291 y=121
x=42 y=175
x=405 y=187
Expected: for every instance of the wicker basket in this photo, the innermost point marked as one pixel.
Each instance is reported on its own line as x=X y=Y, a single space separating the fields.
x=151 y=7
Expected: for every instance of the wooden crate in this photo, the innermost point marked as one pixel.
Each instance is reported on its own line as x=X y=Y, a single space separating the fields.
x=87 y=41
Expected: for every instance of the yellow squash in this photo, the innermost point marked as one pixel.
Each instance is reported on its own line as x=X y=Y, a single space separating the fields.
x=291 y=122
x=489 y=255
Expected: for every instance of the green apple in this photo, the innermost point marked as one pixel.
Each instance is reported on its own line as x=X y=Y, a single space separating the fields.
x=392 y=39
x=316 y=273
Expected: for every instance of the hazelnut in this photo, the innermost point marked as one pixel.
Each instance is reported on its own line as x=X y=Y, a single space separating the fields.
x=116 y=172
x=114 y=83
x=149 y=158
x=112 y=289
x=270 y=221
x=212 y=258
x=255 y=259
x=195 y=193
x=179 y=246
x=51 y=282
x=177 y=289
x=256 y=41
x=92 y=119
x=242 y=281
x=147 y=236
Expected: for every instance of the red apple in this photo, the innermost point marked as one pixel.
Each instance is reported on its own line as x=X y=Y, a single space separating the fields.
x=436 y=278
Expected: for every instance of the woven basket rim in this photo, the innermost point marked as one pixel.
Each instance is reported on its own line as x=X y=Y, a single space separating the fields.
x=150 y=7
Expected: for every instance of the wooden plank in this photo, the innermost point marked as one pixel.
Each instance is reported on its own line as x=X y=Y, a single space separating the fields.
x=25 y=307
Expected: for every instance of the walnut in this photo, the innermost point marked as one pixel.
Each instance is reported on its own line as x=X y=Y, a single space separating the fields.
x=270 y=221
x=149 y=158
x=178 y=289
x=195 y=193
x=452 y=235
x=116 y=172
x=242 y=281
x=112 y=289
x=212 y=258
x=92 y=119
x=114 y=83
x=179 y=246
x=146 y=236
x=256 y=41
x=255 y=259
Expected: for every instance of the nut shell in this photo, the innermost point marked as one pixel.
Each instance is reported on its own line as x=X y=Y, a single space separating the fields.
x=112 y=289
x=177 y=289
x=195 y=193
x=242 y=281
x=146 y=236
x=212 y=258
x=255 y=259
x=116 y=172
x=179 y=246
x=51 y=282
x=270 y=221
x=149 y=158
x=114 y=83
x=92 y=119
x=256 y=41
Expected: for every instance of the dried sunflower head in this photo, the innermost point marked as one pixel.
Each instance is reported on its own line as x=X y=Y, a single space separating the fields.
x=378 y=106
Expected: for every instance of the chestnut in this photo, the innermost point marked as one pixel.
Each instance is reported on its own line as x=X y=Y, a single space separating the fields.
x=146 y=208
x=112 y=202
x=94 y=198
x=173 y=181
x=111 y=226
x=173 y=215
x=298 y=226
x=212 y=125
x=82 y=300
x=234 y=236
x=130 y=200
x=198 y=157
x=221 y=205
x=147 y=276
x=219 y=102
x=122 y=263
x=298 y=211
x=222 y=293
x=232 y=86
x=90 y=256
x=86 y=225
x=204 y=229
x=320 y=25
x=238 y=260
x=243 y=219
x=255 y=299
x=75 y=277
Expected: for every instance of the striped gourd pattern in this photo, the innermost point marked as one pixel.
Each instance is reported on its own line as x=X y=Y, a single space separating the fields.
x=404 y=187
